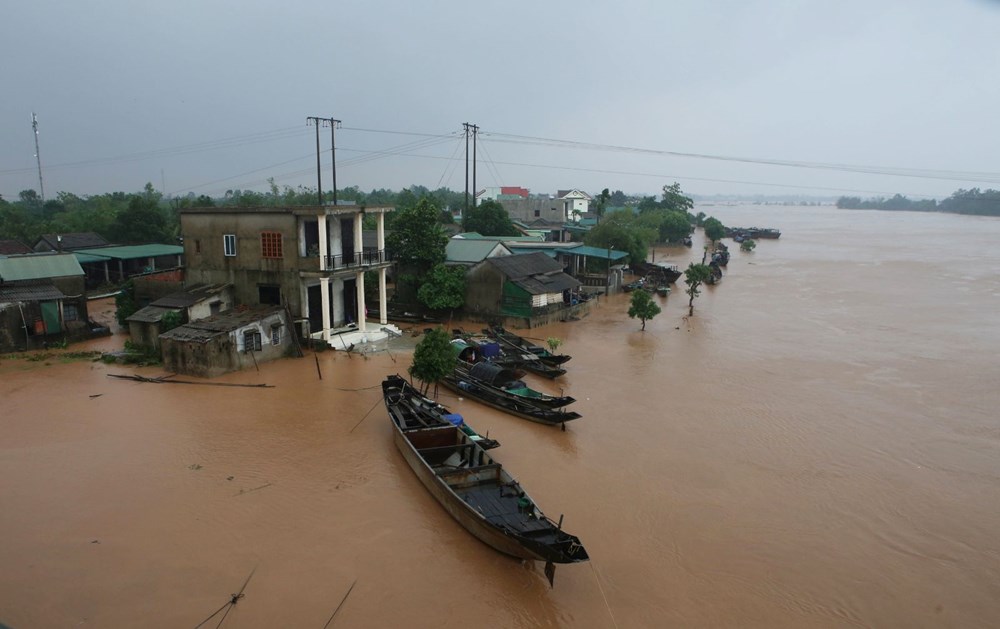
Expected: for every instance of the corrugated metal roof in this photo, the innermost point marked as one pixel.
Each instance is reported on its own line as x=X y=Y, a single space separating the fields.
x=37 y=266
x=541 y=284
x=527 y=264
x=128 y=252
x=472 y=251
x=13 y=293
x=596 y=252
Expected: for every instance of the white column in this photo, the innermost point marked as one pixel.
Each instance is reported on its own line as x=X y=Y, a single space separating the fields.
x=381 y=231
x=359 y=245
x=324 y=245
x=324 y=285
x=383 y=306
x=360 y=285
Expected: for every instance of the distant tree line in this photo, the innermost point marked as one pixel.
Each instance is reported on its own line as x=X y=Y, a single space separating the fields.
x=974 y=201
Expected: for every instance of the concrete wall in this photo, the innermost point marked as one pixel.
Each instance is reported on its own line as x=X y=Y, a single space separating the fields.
x=483 y=290
x=247 y=270
x=226 y=352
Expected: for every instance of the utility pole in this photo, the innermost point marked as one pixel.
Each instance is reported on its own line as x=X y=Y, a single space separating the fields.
x=38 y=156
x=333 y=156
x=466 y=210
x=475 y=131
x=332 y=123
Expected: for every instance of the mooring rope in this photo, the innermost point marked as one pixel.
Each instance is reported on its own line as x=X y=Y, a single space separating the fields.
x=599 y=587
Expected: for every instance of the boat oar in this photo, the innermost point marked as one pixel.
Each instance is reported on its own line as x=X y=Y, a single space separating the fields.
x=342 y=601
x=235 y=598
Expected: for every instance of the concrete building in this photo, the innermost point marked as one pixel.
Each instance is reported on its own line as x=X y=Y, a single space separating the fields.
x=230 y=341
x=197 y=302
x=310 y=259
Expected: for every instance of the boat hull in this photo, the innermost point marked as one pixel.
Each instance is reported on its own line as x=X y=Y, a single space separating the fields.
x=517 y=408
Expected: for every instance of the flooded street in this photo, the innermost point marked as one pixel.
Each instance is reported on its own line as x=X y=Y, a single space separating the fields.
x=817 y=447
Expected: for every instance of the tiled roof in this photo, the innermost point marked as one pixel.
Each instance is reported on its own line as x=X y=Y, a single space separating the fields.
x=204 y=330
x=71 y=241
x=9 y=247
x=190 y=296
x=516 y=267
x=150 y=314
x=25 y=292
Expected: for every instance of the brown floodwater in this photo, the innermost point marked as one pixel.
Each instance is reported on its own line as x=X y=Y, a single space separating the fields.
x=817 y=447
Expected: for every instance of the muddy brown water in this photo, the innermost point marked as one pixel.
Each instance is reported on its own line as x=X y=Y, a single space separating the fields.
x=819 y=446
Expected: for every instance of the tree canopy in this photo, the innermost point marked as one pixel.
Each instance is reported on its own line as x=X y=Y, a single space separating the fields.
x=714 y=229
x=643 y=307
x=417 y=239
x=489 y=218
x=623 y=231
x=444 y=287
x=433 y=358
x=694 y=276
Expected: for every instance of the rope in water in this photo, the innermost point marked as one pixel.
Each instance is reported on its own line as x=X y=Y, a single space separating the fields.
x=596 y=578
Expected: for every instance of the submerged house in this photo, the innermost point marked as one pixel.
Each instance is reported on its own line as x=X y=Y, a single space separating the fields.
x=310 y=259
x=522 y=291
x=41 y=300
x=197 y=302
x=230 y=341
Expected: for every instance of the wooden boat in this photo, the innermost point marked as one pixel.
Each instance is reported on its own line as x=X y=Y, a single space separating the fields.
x=485 y=348
x=663 y=290
x=503 y=381
x=657 y=273
x=478 y=492
x=413 y=411
x=516 y=405
x=520 y=344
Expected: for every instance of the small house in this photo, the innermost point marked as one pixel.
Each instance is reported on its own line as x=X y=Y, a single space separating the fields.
x=230 y=341
x=197 y=302
x=41 y=299
x=531 y=289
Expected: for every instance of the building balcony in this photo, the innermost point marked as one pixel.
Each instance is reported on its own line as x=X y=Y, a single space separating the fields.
x=350 y=262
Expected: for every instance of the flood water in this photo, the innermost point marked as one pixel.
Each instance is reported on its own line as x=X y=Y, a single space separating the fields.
x=819 y=446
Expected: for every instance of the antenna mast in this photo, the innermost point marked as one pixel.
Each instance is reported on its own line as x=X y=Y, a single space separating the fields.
x=38 y=156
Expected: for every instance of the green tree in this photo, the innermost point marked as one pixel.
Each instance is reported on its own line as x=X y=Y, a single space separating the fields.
x=433 y=358
x=622 y=231
x=125 y=304
x=643 y=307
x=674 y=199
x=489 y=218
x=674 y=226
x=140 y=222
x=171 y=319
x=444 y=287
x=714 y=229
x=417 y=239
x=602 y=203
x=748 y=245
x=694 y=276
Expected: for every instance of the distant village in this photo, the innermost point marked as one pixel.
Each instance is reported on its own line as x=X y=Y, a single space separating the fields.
x=247 y=284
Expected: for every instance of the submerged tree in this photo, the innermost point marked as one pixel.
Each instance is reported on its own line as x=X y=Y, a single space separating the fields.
x=443 y=288
x=748 y=245
x=714 y=229
x=433 y=359
x=694 y=276
x=643 y=307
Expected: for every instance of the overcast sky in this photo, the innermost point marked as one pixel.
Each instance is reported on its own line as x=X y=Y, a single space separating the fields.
x=203 y=95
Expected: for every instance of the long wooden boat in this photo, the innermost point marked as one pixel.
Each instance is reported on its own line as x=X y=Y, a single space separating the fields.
x=478 y=492
x=413 y=411
x=520 y=344
x=461 y=382
x=483 y=347
x=503 y=381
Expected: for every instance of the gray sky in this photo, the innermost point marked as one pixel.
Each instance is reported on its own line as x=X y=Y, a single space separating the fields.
x=208 y=95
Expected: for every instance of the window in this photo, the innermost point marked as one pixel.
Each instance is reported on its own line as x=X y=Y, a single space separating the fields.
x=251 y=341
x=197 y=246
x=270 y=245
x=229 y=244
x=269 y=294
x=70 y=312
x=538 y=213
x=276 y=334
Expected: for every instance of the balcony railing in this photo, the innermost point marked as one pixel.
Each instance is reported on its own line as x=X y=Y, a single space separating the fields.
x=357 y=260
